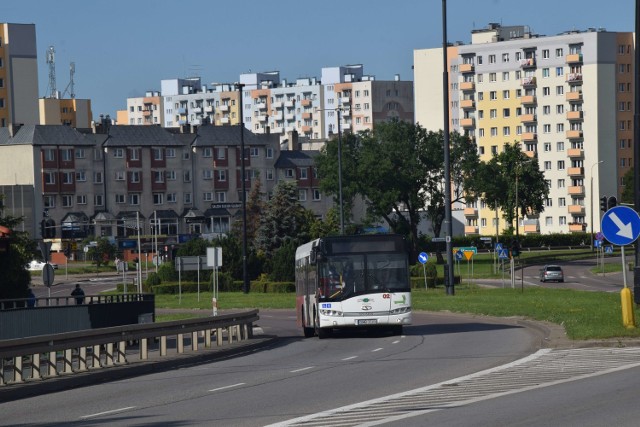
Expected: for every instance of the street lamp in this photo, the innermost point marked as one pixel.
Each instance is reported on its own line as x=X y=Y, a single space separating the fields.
x=245 y=276
x=591 y=203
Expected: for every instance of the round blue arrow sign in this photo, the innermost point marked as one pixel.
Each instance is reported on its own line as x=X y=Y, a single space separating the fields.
x=459 y=255
x=423 y=257
x=621 y=225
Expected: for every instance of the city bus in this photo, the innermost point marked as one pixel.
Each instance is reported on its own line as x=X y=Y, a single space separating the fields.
x=359 y=281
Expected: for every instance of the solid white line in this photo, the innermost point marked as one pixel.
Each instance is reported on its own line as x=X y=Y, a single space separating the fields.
x=106 y=412
x=227 y=386
x=302 y=369
x=377 y=349
x=350 y=357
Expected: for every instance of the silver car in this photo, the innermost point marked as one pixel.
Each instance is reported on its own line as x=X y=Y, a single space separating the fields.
x=551 y=272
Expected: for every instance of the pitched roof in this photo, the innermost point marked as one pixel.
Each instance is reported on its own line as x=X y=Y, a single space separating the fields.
x=121 y=136
x=230 y=136
x=46 y=135
x=296 y=158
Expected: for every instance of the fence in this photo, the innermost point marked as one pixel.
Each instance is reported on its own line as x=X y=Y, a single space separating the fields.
x=48 y=356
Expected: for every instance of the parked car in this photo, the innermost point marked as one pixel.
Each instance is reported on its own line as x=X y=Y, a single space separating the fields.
x=36 y=265
x=551 y=272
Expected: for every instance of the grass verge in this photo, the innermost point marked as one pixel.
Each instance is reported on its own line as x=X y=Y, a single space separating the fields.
x=585 y=315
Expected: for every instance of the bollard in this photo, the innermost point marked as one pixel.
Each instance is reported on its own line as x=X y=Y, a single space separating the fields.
x=214 y=303
x=628 y=320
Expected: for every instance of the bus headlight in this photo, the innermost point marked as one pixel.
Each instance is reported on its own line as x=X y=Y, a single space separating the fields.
x=334 y=313
x=400 y=310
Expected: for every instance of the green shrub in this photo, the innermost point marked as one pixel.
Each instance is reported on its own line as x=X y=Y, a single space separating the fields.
x=152 y=280
x=167 y=273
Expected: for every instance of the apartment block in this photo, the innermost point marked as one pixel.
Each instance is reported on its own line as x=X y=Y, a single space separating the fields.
x=18 y=74
x=72 y=112
x=566 y=99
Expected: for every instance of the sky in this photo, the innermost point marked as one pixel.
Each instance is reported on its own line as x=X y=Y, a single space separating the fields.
x=121 y=49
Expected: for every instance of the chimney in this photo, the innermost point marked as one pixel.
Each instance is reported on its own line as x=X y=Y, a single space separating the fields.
x=13 y=129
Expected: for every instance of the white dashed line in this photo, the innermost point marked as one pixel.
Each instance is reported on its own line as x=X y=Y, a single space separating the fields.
x=113 y=411
x=227 y=386
x=350 y=357
x=302 y=369
x=377 y=349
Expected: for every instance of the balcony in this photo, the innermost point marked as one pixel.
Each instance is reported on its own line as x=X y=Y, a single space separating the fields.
x=574 y=115
x=182 y=110
x=224 y=120
x=307 y=116
x=306 y=129
x=289 y=116
x=576 y=190
x=575 y=152
x=528 y=100
x=196 y=110
x=527 y=63
x=532 y=228
x=290 y=103
x=528 y=118
x=574 y=78
x=467 y=68
x=261 y=105
x=528 y=81
x=468 y=122
x=574 y=58
x=305 y=102
x=575 y=171
x=470 y=229
x=262 y=118
x=467 y=86
x=529 y=137
x=575 y=96
x=576 y=209
x=468 y=104
x=574 y=134
x=208 y=109
x=277 y=104
x=577 y=227
x=224 y=108
x=277 y=115
x=530 y=154
x=345 y=100
x=470 y=212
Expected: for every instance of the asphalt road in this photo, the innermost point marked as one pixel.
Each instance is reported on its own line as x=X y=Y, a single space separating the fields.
x=293 y=377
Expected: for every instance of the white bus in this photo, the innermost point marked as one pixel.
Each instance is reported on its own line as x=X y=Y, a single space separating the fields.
x=352 y=282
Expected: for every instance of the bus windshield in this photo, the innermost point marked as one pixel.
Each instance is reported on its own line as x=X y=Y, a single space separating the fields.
x=343 y=276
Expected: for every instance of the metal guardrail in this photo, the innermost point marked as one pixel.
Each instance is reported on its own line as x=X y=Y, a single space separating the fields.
x=48 y=356
x=70 y=300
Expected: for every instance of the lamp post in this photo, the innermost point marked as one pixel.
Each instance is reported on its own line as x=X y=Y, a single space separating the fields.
x=591 y=203
x=245 y=277
x=139 y=265
x=340 y=170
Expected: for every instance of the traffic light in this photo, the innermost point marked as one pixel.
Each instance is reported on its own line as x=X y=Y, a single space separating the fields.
x=67 y=250
x=515 y=249
x=603 y=203
x=612 y=202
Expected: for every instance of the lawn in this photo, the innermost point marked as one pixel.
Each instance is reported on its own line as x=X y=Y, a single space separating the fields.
x=585 y=315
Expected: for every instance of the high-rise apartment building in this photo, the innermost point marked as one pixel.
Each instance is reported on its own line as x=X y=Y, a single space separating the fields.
x=567 y=99
x=18 y=75
x=72 y=112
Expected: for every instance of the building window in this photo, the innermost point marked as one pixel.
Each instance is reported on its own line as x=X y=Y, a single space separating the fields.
x=158 y=154
x=221 y=196
x=221 y=175
x=171 y=175
x=253 y=152
x=269 y=153
x=49 y=201
x=269 y=174
x=207 y=152
x=171 y=153
x=207 y=174
x=288 y=173
x=98 y=200
x=158 y=198
x=67 y=177
x=134 y=177
x=560 y=165
x=186 y=176
x=66 y=154
x=118 y=153
x=81 y=199
x=207 y=197
x=302 y=195
x=67 y=201
x=316 y=194
x=187 y=198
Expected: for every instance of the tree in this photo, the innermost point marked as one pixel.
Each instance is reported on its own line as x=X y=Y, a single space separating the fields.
x=627 y=192
x=102 y=252
x=509 y=177
x=255 y=206
x=284 y=219
x=17 y=250
x=398 y=168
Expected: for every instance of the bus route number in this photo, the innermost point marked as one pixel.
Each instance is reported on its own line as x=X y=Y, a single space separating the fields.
x=386 y=296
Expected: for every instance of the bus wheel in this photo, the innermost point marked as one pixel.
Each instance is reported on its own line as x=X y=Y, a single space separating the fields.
x=308 y=332
x=396 y=330
x=323 y=333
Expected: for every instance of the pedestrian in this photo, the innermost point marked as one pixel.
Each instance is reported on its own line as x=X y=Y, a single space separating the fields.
x=31 y=299
x=78 y=293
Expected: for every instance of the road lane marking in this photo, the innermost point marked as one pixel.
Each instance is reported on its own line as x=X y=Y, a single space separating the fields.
x=227 y=386
x=350 y=357
x=395 y=342
x=376 y=349
x=113 y=411
x=302 y=369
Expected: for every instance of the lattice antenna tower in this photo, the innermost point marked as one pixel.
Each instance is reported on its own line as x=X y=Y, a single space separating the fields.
x=51 y=61
x=70 y=86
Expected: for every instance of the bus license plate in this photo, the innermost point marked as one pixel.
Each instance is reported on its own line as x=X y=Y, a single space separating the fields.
x=367 y=321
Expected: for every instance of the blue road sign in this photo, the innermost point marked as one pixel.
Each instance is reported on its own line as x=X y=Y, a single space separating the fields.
x=498 y=246
x=459 y=255
x=621 y=225
x=608 y=249
x=423 y=257
x=597 y=243
x=503 y=254
x=599 y=236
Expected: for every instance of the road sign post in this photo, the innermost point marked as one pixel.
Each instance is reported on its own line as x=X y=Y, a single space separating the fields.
x=621 y=226
x=423 y=258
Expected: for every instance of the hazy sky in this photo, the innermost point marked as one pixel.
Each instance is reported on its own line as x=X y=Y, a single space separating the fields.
x=123 y=48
